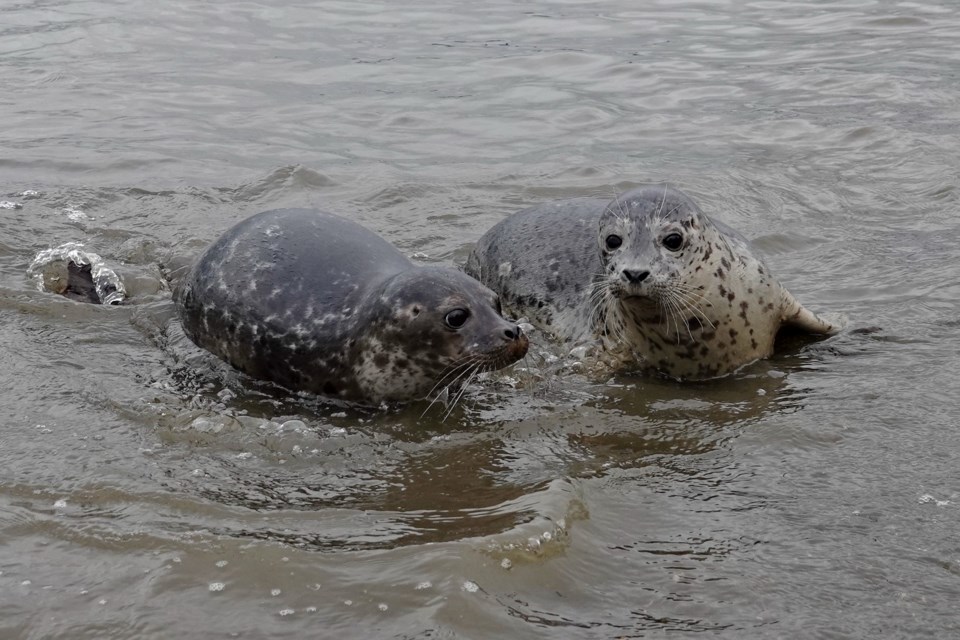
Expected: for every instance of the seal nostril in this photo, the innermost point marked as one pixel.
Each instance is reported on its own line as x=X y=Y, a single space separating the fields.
x=513 y=333
x=635 y=276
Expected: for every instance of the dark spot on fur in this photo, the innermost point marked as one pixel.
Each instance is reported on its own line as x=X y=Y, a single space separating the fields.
x=725 y=263
x=381 y=360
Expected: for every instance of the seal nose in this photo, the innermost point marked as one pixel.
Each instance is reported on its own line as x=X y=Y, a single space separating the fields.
x=634 y=276
x=513 y=333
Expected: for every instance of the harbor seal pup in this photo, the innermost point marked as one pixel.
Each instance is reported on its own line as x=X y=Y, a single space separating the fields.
x=315 y=302
x=649 y=274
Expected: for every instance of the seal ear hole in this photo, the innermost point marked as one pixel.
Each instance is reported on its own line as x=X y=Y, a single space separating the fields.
x=415 y=310
x=613 y=241
x=456 y=318
x=673 y=241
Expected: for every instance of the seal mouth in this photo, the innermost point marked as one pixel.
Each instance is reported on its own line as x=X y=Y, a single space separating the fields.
x=507 y=354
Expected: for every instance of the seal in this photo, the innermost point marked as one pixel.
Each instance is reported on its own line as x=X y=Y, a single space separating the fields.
x=648 y=274
x=314 y=302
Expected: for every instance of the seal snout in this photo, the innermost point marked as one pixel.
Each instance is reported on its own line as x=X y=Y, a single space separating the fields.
x=634 y=276
x=517 y=343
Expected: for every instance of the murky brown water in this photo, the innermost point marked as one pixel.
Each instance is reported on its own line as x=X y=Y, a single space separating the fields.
x=148 y=492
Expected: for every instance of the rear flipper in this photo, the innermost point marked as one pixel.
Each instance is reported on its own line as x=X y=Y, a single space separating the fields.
x=796 y=316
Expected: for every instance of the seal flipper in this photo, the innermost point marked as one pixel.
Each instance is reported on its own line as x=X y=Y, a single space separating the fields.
x=797 y=316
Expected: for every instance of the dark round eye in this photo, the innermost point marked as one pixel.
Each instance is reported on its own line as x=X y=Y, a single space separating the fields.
x=456 y=318
x=614 y=242
x=673 y=241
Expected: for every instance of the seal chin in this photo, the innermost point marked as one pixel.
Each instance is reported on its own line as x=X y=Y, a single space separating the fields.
x=501 y=356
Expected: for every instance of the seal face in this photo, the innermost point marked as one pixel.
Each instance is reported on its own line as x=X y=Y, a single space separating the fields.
x=649 y=274
x=315 y=302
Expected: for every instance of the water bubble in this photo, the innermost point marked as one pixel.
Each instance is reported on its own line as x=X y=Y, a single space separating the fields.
x=216 y=586
x=339 y=414
x=426 y=584
x=74 y=213
x=102 y=601
x=506 y=563
x=275 y=592
x=338 y=431
x=287 y=612
x=383 y=606
x=222 y=563
x=60 y=504
x=4 y=204
x=311 y=609
x=246 y=455
x=298 y=426
x=348 y=602
x=26 y=583
x=470 y=586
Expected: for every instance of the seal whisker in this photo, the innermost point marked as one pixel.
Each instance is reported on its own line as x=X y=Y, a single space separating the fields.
x=691 y=299
x=466 y=381
x=460 y=368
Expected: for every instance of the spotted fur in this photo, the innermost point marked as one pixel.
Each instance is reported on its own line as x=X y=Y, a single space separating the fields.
x=696 y=309
x=314 y=302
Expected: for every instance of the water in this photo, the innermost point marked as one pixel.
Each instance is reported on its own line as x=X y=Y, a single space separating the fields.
x=148 y=491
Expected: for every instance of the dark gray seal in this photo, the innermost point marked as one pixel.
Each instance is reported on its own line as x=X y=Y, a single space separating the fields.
x=315 y=302
x=649 y=274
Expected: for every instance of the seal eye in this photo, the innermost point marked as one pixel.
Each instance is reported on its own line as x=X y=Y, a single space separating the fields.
x=673 y=242
x=614 y=241
x=456 y=318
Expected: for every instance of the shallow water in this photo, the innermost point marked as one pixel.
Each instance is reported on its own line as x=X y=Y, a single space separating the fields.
x=148 y=491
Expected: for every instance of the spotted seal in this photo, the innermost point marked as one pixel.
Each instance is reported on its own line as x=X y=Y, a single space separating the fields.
x=315 y=302
x=649 y=274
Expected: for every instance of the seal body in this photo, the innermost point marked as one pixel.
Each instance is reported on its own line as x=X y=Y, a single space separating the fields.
x=315 y=302
x=649 y=274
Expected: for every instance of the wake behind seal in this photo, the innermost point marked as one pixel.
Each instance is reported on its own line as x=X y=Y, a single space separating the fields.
x=314 y=302
x=648 y=274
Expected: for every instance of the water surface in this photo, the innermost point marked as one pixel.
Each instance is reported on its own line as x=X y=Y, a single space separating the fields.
x=148 y=491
